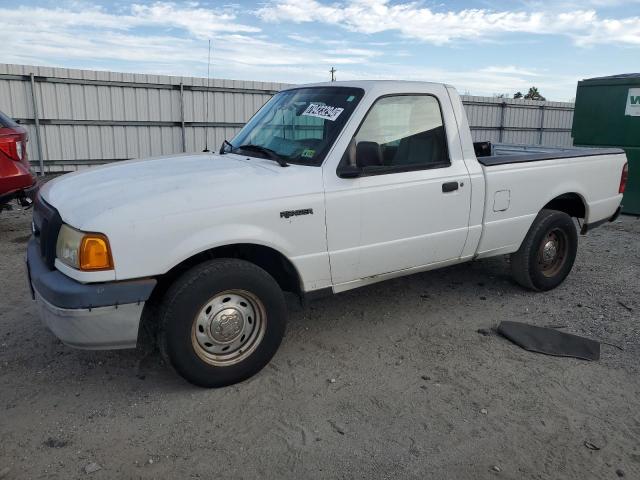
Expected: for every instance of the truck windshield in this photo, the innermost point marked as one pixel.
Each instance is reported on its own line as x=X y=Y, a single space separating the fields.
x=297 y=126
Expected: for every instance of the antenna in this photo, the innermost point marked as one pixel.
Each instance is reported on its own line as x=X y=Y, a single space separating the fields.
x=206 y=97
x=333 y=74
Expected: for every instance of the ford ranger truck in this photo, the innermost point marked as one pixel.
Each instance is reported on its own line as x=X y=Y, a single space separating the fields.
x=327 y=188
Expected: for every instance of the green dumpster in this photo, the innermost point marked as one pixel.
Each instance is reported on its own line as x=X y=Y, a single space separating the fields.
x=607 y=114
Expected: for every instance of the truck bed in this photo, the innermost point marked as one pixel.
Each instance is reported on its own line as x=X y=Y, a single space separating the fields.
x=490 y=154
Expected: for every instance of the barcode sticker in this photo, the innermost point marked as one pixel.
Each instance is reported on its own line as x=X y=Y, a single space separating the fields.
x=322 y=111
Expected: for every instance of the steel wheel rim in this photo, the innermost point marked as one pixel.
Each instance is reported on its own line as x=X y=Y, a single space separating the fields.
x=553 y=252
x=228 y=328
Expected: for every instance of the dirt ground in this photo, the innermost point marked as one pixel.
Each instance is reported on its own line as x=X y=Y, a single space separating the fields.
x=389 y=381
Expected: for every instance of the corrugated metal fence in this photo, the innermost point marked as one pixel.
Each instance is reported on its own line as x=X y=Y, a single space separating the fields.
x=84 y=117
x=520 y=121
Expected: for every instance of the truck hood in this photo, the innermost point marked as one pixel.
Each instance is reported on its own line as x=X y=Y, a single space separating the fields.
x=168 y=185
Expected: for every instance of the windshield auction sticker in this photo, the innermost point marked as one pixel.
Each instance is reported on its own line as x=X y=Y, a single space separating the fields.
x=322 y=111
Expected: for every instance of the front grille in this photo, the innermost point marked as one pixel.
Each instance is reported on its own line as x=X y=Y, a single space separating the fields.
x=46 y=226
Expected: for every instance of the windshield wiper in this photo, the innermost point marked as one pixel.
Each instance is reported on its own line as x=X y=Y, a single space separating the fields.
x=225 y=143
x=271 y=154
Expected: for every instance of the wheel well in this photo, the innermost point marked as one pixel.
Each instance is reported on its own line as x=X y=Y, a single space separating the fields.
x=569 y=203
x=270 y=260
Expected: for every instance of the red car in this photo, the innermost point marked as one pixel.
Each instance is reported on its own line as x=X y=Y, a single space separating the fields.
x=16 y=179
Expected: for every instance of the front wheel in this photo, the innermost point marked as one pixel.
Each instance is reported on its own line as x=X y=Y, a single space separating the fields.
x=547 y=253
x=221 y=322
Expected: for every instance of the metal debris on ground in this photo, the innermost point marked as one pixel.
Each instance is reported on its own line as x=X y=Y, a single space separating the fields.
x=92 y=467
x=55 y=443
x=336 y=427
x=630 y=309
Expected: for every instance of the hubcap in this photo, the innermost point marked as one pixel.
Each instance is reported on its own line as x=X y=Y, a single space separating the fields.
x=228 y=328
x=549 y=251
x=553 y=252
x=227 y=325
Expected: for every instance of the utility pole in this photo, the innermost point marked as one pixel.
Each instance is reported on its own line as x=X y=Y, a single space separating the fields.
x=333 y=74
x=206 y=99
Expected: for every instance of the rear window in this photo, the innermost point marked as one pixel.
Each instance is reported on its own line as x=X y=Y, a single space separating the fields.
x=7 y=121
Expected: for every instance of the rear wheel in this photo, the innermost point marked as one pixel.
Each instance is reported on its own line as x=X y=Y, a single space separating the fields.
x=221 y=322
x=547 y=253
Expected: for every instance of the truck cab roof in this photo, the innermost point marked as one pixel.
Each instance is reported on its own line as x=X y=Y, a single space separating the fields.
x=388 y=86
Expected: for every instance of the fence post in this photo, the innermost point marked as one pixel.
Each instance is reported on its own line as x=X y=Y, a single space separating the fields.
x=36 y=118
x=184 y=139
x=503 y=107
x=541 y=124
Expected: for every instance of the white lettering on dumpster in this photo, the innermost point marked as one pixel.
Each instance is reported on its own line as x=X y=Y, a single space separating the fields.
x=633 y=103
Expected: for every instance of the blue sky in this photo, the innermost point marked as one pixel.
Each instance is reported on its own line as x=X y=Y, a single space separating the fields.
x=481 y=47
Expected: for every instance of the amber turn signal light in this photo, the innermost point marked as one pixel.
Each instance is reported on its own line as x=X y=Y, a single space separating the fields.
x=95 y=253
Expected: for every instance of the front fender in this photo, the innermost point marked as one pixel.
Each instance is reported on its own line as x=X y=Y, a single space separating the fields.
x=225 y=235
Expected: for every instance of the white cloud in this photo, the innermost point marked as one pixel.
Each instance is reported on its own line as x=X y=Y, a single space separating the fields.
x=199 y=22
x=412 y=20
x=167 y=38
x=511 y=70
x=361 y=52
x=162 y=38
x=301 y=38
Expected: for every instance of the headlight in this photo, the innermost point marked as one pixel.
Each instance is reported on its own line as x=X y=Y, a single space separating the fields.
x=83 y=251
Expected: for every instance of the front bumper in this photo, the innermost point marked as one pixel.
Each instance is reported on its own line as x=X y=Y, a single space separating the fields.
x=100 y=328
x=91 y=316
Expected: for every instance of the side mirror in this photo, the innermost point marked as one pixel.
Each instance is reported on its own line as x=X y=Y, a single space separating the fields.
x=368 y=154
x=349 y=171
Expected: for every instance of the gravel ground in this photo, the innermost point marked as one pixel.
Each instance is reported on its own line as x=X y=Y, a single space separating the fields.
x=388 y=381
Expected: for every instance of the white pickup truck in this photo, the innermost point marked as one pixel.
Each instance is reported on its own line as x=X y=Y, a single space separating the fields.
x=328 y=187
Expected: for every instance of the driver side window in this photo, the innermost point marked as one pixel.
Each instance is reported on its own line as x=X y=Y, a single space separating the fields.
x=402 y=133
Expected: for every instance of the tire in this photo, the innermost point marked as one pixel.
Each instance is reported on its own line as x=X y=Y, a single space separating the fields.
x=221 y=322
x=541 y=268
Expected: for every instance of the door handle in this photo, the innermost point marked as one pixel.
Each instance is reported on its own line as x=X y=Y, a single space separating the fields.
x=449 y=187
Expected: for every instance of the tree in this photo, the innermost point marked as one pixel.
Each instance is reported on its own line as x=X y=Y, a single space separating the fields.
x=534 y=94
x=518 y=95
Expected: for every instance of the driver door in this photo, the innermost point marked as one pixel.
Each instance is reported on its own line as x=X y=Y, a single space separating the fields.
x=409 y=207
